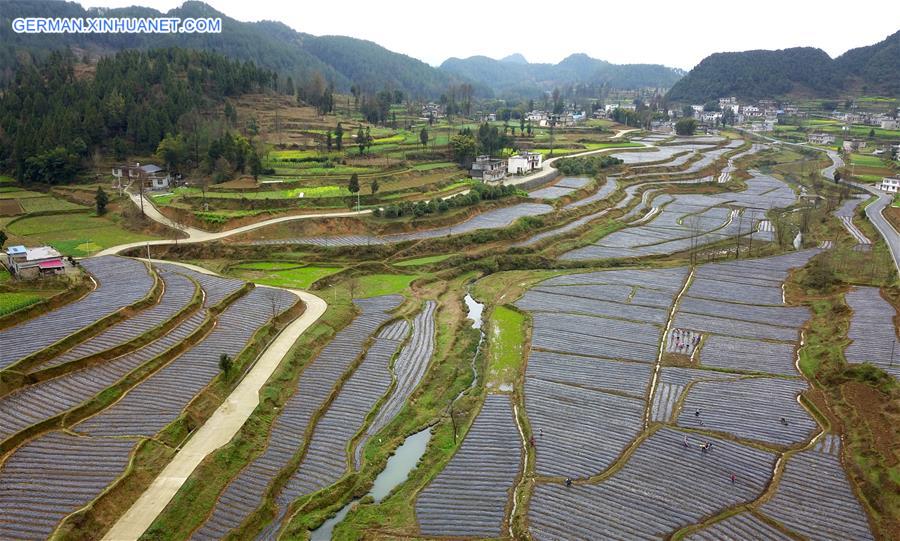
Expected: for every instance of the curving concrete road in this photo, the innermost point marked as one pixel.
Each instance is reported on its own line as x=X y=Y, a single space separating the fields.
x=198 y=235
x=874 y=211
x=219 y=429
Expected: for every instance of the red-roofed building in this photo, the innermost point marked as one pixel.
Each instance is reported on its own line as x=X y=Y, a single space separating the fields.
x=34 y=262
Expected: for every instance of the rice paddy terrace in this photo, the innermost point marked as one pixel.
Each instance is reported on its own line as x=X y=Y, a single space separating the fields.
x=74 y=421
x=647 y=402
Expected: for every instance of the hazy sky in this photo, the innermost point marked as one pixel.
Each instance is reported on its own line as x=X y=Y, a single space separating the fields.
x=675 y=33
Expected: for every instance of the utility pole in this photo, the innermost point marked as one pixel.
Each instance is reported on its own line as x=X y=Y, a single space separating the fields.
x=141 y=189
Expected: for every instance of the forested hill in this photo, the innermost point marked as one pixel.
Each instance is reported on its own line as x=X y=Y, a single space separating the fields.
x=340 y=60
x=52 y=121
x=514 y=75
x=802 y=71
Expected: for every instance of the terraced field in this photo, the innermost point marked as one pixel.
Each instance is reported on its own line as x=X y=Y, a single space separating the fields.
x=491 y=219
x=59 y=472
x=158 y=400
x=408 y=370
x=739 y=307
x=758 y=409
x=602 y=193
x=469 y=497
x=179 y=291
x=872 y=330
x=845 y=214
x=244 y=493
x=55 y=396
x=585 y=387
x=121 y=282
x=53 y=476
x=661 y=488
x=595 y=337
x=814 y=498
x=744 y=525
x=682 y=221
x=564 y=186
x=326 y=459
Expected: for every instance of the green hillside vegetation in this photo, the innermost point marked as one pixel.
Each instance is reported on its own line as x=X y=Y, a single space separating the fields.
x=803 y=70
x=525 y=79
x=343 y=61
x=51 y=121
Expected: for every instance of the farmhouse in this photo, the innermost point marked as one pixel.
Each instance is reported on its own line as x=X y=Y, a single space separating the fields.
x=488 y=169
x=853 y=145
x=820 y=138
x=153 y=176
x=524 y=162
x=889 y=124
x=890 y=184
x=33 y=262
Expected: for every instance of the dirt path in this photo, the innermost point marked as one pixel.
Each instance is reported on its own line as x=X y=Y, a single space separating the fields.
x=219 y=429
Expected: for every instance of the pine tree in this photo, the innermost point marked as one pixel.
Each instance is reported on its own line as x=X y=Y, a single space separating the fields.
x=101 y=200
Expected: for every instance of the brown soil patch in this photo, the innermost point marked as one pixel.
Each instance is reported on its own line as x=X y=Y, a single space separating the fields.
x=817 y=398
x=893 y=215
x=676 y=359
x=880 y=417
x=10 y=207
x=243 y=183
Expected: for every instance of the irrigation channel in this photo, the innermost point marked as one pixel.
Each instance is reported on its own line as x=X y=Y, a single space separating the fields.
x=410 y=451
x=395 y=472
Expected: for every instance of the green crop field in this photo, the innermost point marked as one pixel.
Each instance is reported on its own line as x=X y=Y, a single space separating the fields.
x=866 y=160
x=423 y=260
x=279 y=276
x=46 y=204
x=74 y=234
x=432 y=166
x=374 y=285
x=10 y=302
x=507 y=334
x=267 y=265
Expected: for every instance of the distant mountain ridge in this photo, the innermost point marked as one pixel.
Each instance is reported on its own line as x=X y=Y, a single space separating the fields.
x=799 y=70
x=515 y=75
x=274 y=45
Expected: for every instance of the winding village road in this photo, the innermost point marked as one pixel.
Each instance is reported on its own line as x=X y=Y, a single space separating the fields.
x=220 y=428
x=874 y=211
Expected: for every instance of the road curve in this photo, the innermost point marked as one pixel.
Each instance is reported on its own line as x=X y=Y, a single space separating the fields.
x=198 y=235
x=874 y=211
x=219 y=429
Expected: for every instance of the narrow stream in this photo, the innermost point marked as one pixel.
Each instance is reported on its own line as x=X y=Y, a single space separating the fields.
x=395 y=472
x=475 y=310
x=411 y=450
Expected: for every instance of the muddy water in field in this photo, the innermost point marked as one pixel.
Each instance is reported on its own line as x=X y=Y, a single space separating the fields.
x=395 y=472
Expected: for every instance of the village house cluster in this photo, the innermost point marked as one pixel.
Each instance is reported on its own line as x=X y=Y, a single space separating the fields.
x=153 y=177
x=492 y=170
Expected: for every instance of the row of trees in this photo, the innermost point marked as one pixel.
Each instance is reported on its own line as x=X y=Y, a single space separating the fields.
x=478 y=193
